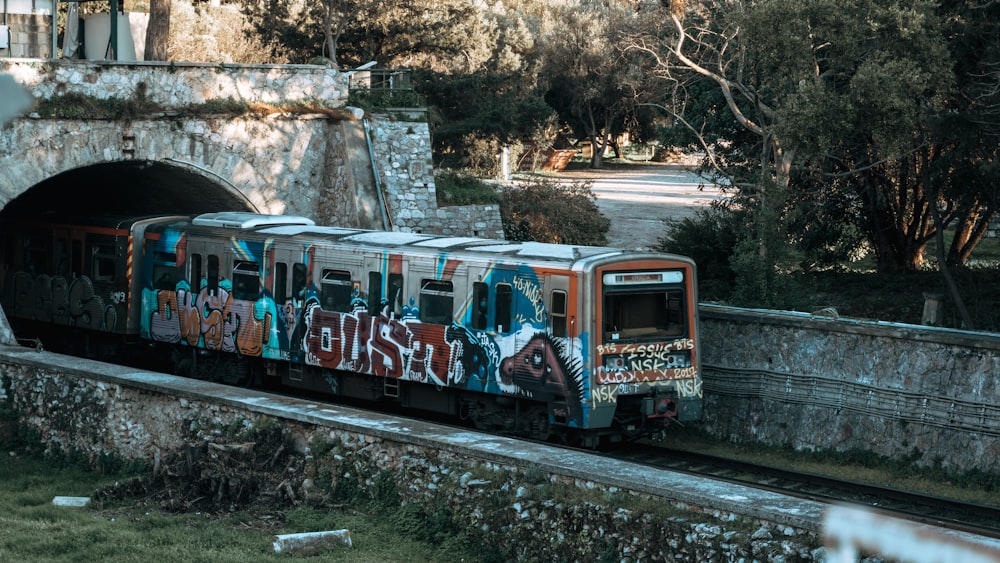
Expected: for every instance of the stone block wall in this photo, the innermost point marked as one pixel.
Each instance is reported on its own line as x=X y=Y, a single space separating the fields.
x=406 y=173
x=917 y=394
x=292 y=164
x=30 y=36
x=525 y=513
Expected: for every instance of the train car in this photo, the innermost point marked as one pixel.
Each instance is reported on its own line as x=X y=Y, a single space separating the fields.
x=577 y=343
x=70 y=283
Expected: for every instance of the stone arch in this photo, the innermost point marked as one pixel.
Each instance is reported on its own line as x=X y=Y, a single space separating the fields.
x=130 y=187
x=126 y=187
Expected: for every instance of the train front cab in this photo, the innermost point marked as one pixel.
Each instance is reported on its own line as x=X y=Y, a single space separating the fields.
x=646 y=362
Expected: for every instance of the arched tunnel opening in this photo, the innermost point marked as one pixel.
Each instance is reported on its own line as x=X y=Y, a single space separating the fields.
x=126 y=188
x=132 y=188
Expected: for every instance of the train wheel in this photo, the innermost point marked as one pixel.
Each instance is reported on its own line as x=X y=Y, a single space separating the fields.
x=235 y=371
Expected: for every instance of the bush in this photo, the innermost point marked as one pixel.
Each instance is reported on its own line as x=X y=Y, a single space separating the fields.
x=454 y=188
x=543 y=210
x=710 y=239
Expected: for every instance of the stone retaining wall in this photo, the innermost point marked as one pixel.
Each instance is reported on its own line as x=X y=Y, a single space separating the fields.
x=531 y=512
x=917 y=394
x=292 y=163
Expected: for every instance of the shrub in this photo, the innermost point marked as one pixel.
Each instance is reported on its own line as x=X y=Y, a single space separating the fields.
x=543 y=210
x=709 y=238
x=454 y=188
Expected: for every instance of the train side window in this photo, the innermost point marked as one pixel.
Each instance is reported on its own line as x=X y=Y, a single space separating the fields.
x=299 y=273
x=436 y=301
x=374 y=293
x=195 y=275
x=395 y=294
x=480 y=305
x=37 y=250
x=246 y=281
x=61 y=258
x=673 y=315
x=103 y=262
x=280 y=282
x=335 y=291
x=164 y=270
x=213 y=274
x=557 y=312
x=504 y=307
x=76 y=250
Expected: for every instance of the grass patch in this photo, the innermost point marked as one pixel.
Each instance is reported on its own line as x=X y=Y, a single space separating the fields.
x=859 y=466
x=130 y=530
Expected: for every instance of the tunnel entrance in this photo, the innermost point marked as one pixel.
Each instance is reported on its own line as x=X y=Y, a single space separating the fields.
x=127 y=188
x=122 y=188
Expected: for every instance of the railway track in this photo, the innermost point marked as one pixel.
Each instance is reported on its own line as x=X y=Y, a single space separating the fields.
x=947 y=513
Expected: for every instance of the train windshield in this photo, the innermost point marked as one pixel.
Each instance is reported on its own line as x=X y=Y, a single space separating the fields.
x=635 y=309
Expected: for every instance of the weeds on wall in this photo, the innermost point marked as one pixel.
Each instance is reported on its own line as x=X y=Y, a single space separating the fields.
x=455 y=188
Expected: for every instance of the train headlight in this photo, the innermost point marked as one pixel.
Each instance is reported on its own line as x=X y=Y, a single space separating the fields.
x=614 y=363
x=678 y=360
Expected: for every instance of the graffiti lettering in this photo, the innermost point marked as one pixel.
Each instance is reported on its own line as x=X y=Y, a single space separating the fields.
x=533 y=293
x=56 y=300
x=214 y=319
x=605 y=394
x=656 y=350
x=605 y=377
x=688 y=388
x=624 y=389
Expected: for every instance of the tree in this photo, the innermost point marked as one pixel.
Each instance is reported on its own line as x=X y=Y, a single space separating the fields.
x=158 y=31
x=592 y=84
x=840 y=92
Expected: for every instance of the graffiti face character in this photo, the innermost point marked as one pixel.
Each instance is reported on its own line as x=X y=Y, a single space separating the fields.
x=539 y=370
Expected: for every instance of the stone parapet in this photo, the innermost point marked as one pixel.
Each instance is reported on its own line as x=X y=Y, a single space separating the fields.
x=916 y=394
x=176 y=85
x=529 y=502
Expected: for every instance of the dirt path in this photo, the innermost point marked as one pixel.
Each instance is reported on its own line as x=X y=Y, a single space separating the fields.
x=639 y=199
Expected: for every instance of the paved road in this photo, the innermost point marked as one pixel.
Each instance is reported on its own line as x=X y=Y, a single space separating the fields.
x=639 y=200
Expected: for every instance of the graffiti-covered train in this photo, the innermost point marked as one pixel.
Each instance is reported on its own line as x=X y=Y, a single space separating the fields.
x=548 y=341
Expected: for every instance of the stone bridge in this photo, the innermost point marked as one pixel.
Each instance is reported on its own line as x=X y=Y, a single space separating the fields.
x=299 y=151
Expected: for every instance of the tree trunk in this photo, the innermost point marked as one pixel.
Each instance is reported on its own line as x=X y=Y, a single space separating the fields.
x=158 y=31
x=968 y=234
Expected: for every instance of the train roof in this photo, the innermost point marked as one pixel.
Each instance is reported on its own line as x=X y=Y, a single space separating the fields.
x=303 y=229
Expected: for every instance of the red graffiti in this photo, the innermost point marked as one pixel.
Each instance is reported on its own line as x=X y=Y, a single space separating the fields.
x=381 y=346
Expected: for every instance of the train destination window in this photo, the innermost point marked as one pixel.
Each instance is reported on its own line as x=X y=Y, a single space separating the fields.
x=164 y=270
x=374 y=293
x=504 y=307
x=644 y=314
x=280 y=289
x=557 y=313
x=436 y=301
x=336 y=291
x=246 y=280
x=480 y=305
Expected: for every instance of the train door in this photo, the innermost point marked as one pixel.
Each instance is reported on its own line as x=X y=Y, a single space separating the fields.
x=287 y=285
x=373 y=281
x=478 y=305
